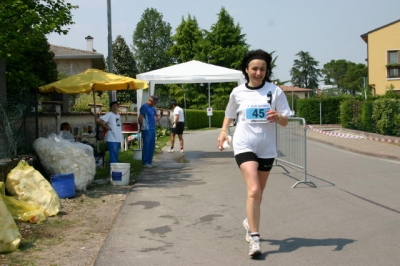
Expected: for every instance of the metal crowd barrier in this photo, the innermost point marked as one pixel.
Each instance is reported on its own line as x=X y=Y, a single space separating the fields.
x=291 y=143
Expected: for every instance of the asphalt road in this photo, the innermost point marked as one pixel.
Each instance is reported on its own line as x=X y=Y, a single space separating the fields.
x=189 y=211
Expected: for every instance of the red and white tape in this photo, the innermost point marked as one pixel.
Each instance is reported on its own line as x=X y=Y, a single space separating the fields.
x=351 y=136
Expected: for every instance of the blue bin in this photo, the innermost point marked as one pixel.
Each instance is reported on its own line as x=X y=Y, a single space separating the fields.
x=64 y=185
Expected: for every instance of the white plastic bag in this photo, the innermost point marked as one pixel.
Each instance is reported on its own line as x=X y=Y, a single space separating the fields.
x=59 y=156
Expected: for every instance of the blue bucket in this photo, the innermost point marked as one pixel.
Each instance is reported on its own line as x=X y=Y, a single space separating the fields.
x=64 y=185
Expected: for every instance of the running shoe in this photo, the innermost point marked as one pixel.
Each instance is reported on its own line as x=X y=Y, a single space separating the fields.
x=255 y=249
x=247 y=228
x=182 y=151
x=171 y=150
x=148 y=166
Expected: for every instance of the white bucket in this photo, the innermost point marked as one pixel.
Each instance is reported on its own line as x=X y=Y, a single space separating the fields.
x=137 y=154
x=120 y=173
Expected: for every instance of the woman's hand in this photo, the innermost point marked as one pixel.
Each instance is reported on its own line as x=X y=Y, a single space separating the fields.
x=273 y=116
x=223 y=136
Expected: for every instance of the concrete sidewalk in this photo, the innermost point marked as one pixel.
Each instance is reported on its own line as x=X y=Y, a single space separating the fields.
x=362 y=146
x=189 y=210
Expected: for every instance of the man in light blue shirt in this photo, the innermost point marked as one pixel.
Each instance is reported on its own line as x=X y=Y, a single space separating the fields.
x=147 y=122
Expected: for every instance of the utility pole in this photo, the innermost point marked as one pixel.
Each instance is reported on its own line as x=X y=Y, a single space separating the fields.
x=209 y=96
x=111 y=94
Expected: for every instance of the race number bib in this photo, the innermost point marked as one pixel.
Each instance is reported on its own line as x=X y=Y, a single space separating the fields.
x=257 y=113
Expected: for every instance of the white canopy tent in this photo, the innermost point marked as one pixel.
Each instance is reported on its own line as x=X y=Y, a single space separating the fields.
x=188 y=72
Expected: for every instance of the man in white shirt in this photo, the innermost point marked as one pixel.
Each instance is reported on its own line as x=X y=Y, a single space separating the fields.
x=112 y=123
x=178 y=125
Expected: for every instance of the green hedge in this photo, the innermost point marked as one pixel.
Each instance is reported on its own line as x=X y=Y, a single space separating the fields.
x=386 y=116
x=196 y=119
x=311 y=108
x=380 y=116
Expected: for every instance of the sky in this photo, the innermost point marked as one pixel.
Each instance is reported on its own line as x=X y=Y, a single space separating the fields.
x=326 y=29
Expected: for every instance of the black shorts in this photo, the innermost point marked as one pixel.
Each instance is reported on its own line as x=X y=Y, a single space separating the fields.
x=180 y=126
x=264 y=165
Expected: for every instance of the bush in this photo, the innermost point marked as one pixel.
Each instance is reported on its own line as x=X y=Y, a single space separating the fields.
x=386 y=116
x=311 y=109
x=82 y=102
x=195 y=119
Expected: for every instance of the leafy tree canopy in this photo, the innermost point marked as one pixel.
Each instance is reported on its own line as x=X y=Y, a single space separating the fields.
x=346 y=75
x=304 y=72
x=124 y=64
x=187 y=41
x=24 y=24
x=225 y=44
x=151 y=38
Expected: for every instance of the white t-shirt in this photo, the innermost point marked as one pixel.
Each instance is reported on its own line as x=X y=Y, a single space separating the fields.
x=179 y=111
x=114 y=122
x=67 y=135
x=251 y=135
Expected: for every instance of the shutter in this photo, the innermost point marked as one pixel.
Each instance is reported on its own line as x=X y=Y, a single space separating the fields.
x=398 y=56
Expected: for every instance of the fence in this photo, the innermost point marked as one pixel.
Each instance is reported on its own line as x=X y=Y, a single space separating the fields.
x=17 y=125
x=291 y=143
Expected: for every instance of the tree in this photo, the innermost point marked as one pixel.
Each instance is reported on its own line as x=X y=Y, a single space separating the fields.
x=151 y=38
x=186 y=47
x=125 y=65
x=334 y=72
x=353 y=80
x=186 y=40
x=346 y=75
x=37 y=68
x=24 y=24
x=273 y=65
x=304 y=72
x=225 y=44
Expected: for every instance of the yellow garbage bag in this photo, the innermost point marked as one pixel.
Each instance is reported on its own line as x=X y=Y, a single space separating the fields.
x=10 y=236
x=21 y=210
x=27 y=184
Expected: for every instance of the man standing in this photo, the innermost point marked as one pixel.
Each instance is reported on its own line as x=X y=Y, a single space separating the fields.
x=178 y=125
x=112 y=123
x=147 y=122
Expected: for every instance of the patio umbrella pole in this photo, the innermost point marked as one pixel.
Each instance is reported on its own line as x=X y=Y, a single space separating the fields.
x=95 y=120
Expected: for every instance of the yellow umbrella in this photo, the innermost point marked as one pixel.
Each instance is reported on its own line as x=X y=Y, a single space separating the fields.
x=94 y=80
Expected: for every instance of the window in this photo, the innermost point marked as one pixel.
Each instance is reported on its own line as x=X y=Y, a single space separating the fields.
x=393 y=66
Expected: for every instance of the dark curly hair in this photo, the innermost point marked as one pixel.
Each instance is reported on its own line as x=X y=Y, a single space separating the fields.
x=64 y=125
x=257 y=54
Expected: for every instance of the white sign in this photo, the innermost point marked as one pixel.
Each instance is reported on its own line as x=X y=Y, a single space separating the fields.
x=209 y=111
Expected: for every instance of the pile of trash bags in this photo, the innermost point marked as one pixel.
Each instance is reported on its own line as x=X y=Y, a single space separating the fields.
x=60 y=156
x=30 y=198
